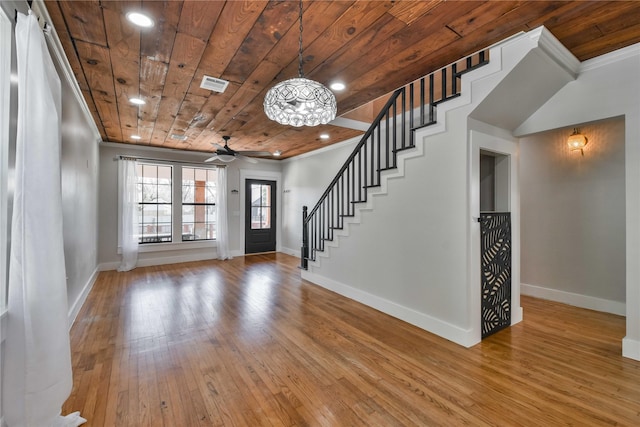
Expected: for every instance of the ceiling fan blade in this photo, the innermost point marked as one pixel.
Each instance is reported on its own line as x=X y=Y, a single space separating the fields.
x=255 y=153
x=212 y=158
x=219 y=147
x=247 y=159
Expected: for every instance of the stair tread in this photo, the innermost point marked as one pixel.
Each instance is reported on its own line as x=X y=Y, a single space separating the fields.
x=397 y=150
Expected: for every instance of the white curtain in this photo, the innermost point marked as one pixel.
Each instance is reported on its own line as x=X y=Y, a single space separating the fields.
x=222 y=225
x=37 y=375
x=127 y=184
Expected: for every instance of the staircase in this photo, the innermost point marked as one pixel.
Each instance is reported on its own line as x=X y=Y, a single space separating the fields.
x=408 y=109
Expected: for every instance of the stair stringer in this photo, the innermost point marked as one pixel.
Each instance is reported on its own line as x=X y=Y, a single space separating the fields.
x=451 y=320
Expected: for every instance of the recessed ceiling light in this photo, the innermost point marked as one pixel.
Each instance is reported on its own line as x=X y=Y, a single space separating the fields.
x=140 y=19
x=136 y=137
x=137 y=101
x=277 y=153
x=337 y=86
x=324 y=136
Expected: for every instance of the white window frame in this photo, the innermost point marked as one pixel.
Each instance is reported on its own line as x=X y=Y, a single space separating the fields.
x=176 y=211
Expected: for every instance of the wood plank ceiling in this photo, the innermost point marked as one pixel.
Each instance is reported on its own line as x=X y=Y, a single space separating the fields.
x=374 y=47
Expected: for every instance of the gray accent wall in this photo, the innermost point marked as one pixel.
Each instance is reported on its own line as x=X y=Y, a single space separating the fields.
x=573 y=211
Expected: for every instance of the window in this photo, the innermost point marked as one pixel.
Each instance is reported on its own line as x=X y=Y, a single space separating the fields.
x=260 y=206
x=199 y=203
x=154 y=203
x=170 y=213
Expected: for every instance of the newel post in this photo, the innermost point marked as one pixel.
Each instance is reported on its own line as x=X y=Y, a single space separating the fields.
x=304 y=251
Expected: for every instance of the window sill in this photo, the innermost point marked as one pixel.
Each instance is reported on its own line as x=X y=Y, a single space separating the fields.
x=175 y=246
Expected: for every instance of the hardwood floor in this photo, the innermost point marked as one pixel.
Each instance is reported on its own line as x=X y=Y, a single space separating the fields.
x=246 y=342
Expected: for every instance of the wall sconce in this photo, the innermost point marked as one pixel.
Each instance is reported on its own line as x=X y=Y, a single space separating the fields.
x=577 y=141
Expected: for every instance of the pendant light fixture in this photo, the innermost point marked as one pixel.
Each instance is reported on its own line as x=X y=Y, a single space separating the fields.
x=300 y=101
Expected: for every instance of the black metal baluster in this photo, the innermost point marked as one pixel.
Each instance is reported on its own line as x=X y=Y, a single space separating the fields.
x=454 y=78
x=404 y=117
x=443 y=77
x=411 y=107
x=379 y=154
x=365 y=172
x=304 y=252
x=422 y=99
x=395 y=130
x=353 y=188
x=431 y=112
x=387 y=143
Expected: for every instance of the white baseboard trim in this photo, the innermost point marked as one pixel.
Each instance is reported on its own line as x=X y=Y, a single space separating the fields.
x=424 y=321
x=516 y=315
x=631 y=348
x=290 y=251
x=150 y=262
x=577 y=300
x=237 y=253
x=77 y=305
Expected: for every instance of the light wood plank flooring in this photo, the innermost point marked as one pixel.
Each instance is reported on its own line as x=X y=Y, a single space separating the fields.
x=246 y=342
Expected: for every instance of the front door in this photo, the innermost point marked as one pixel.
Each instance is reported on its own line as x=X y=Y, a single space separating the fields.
x=260 y=216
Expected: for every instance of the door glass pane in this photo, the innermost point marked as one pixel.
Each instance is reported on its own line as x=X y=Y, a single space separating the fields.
x=255 y=218
x=266 y=195
x=255 y=195
x=266 y=218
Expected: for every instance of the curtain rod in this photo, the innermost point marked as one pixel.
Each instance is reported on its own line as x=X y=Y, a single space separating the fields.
x=151 y=159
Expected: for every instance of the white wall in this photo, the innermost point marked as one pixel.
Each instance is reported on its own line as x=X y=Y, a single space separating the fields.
x=108 y=205
x=608 y=86
x=410 y=250
x=305 y=178
x=79 y=166
x=573 y=216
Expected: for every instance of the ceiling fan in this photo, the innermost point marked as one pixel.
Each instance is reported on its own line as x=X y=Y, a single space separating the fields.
x=226 y=154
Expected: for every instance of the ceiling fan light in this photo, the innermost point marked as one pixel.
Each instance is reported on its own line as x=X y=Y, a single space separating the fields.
x=226 y=157
x=300 y=102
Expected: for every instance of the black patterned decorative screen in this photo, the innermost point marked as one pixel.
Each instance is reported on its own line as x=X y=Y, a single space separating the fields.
x=495 y=249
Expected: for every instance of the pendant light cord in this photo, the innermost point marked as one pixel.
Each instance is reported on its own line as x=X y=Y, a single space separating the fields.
x=300 y=73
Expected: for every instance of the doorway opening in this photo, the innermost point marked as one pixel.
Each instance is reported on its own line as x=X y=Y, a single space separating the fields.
x=495 y=242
